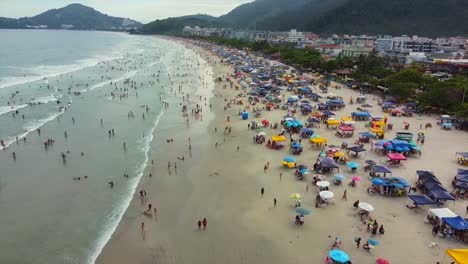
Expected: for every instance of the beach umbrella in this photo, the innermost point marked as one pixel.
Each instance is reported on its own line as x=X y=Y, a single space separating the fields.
x=289 y=159
x=371 y=162
x=339 y=177
x=326 y=194
x=373 y=242
x=339 y=154
x=302 y=211
x=323 y=184
x=304 y=171
x=366 y=207
x=295 y=196
x=261 y=134
x=389 y=147
x=356 y=178
x=338 y=256
x=398 y=149
x=334 y=149
x=382 y=261
x=352 y=164
x=377 y=181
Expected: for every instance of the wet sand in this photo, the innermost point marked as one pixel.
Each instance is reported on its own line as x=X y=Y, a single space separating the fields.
x=245 y=227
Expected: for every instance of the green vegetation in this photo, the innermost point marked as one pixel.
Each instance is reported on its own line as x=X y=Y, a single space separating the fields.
x=404 y=84
x=395 y=17
x=175 y=25
x=80 y=16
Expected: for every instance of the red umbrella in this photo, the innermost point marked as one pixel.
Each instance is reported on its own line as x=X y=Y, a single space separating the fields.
x=382 y=261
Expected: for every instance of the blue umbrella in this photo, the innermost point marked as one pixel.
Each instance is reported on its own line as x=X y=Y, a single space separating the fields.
x=338 y=256
x=389 y=147
x=373 y=242
x=307 y=130
x=398 y=149
x=302 y=211
x=405 y=148
x=377 y=181
x=352 y=164
x=339 y=177
x=289 y=159
x=296 y=145
x=304 y=171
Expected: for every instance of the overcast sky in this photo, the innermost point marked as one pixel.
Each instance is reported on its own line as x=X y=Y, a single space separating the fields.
x=141 y=10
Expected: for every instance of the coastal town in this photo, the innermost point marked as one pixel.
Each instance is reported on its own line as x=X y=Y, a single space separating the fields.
x=444 y=53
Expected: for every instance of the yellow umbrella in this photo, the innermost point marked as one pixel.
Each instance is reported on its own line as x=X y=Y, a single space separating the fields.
x=347 y=119
x=318 y=140
x=339 y=154
x=295 y=196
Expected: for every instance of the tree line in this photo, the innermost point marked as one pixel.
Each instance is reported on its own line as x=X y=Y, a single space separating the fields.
x=404 y=83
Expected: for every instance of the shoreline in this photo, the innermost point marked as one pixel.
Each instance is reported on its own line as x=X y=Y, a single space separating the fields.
x=244 y=226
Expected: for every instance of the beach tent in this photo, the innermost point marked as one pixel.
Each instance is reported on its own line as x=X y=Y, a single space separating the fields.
x=396 y=182
x=333 y=122
x=361 y=114
x=278 y=138
x=318 y=140
x=442 y=212
x=396 y=156
x=421 y=199
x=356 y=149
x=328 y=163
x=381 y=169
x=456 y=223
x=440 y=195
x=459 y=255
x=462 y=175
x=366 y=134
x=426 y=176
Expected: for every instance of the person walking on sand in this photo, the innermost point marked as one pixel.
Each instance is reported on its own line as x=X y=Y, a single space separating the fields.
x=358 y=241
x=345 y=195
x=205 y=223
x=274 y=202
x=199 y=224
x=262 y=191
x=356 y=204
x=142 y=227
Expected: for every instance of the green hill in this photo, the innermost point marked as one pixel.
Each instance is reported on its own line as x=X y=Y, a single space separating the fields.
x=422 y=17
x=247 y=15
x=76 y=15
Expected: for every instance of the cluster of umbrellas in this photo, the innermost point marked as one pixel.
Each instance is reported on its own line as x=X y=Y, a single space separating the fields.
x=300 y=210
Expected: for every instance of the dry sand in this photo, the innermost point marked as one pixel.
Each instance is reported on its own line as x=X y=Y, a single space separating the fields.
x=244 y=227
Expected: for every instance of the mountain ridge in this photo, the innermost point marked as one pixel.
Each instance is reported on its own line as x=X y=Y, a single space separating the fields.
x=397 y=17
x=72 y=16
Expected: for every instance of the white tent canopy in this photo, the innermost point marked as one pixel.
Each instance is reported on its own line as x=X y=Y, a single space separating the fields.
x=442 y=212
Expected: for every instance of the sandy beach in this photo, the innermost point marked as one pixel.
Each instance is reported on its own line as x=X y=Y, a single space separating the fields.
x=223 y=185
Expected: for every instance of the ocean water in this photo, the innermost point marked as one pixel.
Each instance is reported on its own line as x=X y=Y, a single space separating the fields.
x=73 y=87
